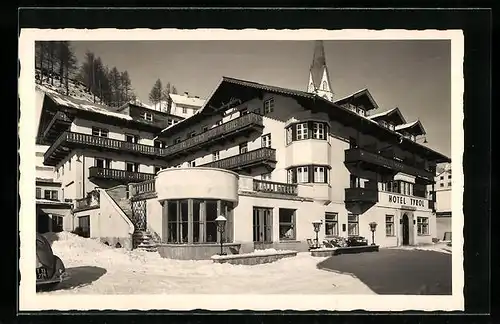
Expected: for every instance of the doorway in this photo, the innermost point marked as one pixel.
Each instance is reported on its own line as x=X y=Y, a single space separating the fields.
x=262 y=226
x=406 y=230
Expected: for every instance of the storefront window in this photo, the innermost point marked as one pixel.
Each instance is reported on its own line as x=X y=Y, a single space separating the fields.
x=331 y=224
x=352 y=225
x=389 y=225
x=287 y=224
x=422 y=225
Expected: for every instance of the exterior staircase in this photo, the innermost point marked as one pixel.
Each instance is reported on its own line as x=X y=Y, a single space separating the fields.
x=142 y=238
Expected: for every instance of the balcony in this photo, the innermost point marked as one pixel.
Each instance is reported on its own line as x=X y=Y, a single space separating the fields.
x=71 y=140
x=119 y=175
x=275 y=187
x=356 y=155
x=236 y=127
x=265 y=156
x=58 y=124
x=361 y=195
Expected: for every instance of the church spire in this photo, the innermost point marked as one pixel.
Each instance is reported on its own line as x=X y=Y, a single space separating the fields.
x=319 y=78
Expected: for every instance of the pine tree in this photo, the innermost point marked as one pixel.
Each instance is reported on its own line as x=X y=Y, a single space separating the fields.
x=87 y=71
x=174 y=90
x=155 y=95
x=115 y=87
x=126 y=86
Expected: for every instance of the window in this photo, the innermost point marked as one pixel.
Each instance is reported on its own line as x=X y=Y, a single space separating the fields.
x=290 y=176
x=441 y=184
x=170 y=122
x=325 y=87
x=389 y=225
x=177 y=140
x=156 y=169
x=50 y=194
x=215 y=156
x=302 y=174
x=192 y=134
x=266 y=140
x=96 y=131
x=219 y=122
x=243 y=111
x=205 y=128
x=57 y=223
x=318 y=131
x=302 y=131
x=287 y=224
x=319 y=174
x=184 y=110
x=266 y=176
x=131 y=138
x=192 y=164
x=268 y=106
x=422 y=225
x=69 y=165
x=331 y=224
x=449 y=184
x=159 y=144
x=449 y=176
x=148 y=116
x=243 y=148
x=352 y=224
x=441 y=178
x=132 y=167
x=38 y=193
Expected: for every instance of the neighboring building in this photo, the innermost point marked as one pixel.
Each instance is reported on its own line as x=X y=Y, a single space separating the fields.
x=443 y=195
x=271 y=160
x=178 y=105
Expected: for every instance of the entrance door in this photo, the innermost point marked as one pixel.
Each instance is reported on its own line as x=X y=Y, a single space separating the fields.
x=42 y=221
x=406 y=230
x=262 y=226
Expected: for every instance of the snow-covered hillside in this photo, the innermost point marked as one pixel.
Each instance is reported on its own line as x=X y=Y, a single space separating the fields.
x=96 y=268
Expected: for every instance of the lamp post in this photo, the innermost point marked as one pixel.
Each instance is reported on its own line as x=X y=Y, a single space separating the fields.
x=373 y=227
x=221 y=226
x=317 y=226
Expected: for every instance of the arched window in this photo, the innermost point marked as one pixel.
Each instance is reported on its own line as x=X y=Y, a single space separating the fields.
x=325 y=86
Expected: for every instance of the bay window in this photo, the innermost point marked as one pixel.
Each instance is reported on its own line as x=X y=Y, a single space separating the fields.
x=308 y=174
x=318 y=130
x=302 y=174
x=307 y=130
x=301 y=131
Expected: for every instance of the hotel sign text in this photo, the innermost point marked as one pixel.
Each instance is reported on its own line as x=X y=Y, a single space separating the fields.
x=406 y=201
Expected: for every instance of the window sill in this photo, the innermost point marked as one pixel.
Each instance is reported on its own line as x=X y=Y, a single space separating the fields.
x=423 y=234
x=390 y=236
x=288 y=241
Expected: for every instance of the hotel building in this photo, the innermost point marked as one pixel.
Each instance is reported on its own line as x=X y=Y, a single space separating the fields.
x=271 y=160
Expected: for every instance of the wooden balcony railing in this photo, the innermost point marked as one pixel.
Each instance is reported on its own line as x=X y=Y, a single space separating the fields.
x=275 y=187
x=241 y=161
x=72 y=139
x=361 y=195
x=222 y=131
x=360 y=155
x=147 y=186
x=120 y=175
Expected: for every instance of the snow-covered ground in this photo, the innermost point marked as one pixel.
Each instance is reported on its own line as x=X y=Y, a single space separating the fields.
x=437 y=247
x=98 y=269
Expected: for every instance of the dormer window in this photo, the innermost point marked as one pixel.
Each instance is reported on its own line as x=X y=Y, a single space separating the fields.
x=268 y=106
x=147 y=116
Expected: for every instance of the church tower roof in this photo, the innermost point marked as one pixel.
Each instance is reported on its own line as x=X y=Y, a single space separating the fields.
x=318 y=65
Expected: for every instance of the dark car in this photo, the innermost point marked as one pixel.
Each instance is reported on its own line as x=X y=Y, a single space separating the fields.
x=356 y=241
x=50 y=270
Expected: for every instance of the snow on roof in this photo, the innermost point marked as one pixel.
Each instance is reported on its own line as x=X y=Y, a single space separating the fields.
x=352 y=94
x=185 y=100
x=383 y=113
x=407 y=125
x=52 y=202
x=79 y=103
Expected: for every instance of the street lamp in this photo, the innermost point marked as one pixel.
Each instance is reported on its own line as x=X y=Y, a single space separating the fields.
x=221 y=226
x=317 y=226
x=373 y=227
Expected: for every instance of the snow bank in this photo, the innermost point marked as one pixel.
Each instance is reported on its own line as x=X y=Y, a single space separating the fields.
x=141 y=272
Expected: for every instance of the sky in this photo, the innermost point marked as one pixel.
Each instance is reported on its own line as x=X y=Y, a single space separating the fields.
x=414 y=75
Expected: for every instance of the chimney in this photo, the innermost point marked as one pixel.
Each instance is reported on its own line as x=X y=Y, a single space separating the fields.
x=186 y=94
x=197 y=97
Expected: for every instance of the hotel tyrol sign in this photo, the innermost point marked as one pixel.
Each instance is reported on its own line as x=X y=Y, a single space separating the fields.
x=405 y=201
